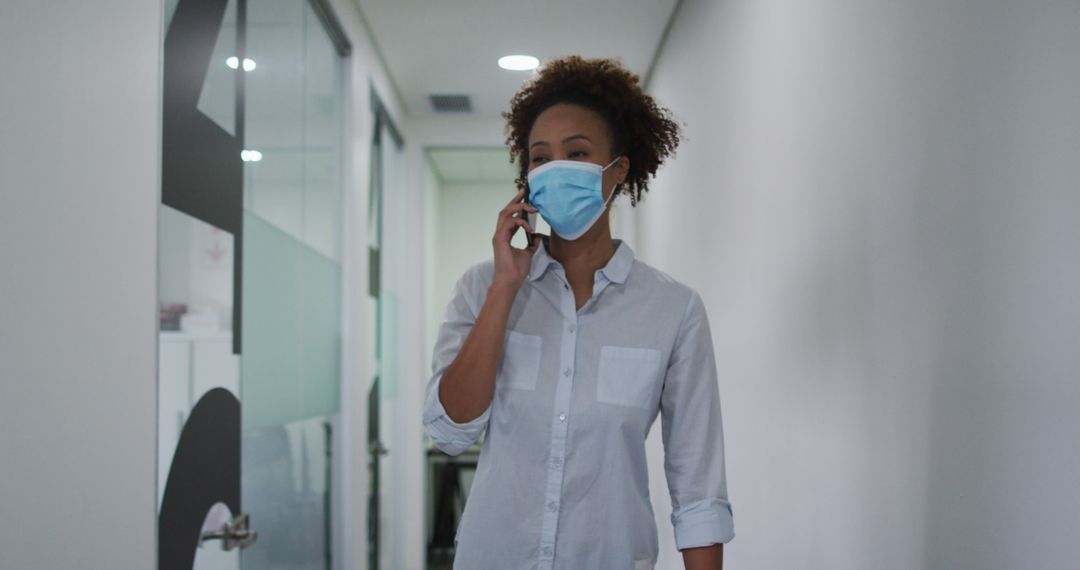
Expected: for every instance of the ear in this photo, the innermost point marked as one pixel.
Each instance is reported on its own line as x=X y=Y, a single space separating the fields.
x=622 y=169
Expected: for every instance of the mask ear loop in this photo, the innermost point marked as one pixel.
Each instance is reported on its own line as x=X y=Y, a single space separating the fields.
x=614 y=191
x=610 y=163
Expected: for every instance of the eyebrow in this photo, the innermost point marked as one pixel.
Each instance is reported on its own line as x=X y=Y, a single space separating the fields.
x=566 y=140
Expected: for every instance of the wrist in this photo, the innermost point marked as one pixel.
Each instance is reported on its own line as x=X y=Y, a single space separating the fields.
x=503 y=288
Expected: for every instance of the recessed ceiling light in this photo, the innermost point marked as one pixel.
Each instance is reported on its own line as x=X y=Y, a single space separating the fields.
x=250 y=155
x=518 y=62
x=234 y=63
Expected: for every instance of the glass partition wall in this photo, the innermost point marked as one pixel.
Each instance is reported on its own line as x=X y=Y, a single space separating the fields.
x=273 y=86
x=291 y=362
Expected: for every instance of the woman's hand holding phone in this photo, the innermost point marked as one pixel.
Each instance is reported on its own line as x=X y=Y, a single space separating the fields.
x=468 y=384
x=512 y=264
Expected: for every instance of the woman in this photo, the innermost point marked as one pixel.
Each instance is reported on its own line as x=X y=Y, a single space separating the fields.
x=566 y=351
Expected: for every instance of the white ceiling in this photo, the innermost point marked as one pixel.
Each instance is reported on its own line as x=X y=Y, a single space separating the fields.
x=452 y=46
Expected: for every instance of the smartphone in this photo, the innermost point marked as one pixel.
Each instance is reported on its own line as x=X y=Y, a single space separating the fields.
x=530 y=217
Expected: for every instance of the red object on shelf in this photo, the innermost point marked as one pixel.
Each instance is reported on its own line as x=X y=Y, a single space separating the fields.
x=169 y=316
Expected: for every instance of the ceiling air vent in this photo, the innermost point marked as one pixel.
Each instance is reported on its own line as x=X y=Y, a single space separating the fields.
x=451 y=103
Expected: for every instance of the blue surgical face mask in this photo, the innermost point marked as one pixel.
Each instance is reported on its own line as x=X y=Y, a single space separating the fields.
x=568 y=195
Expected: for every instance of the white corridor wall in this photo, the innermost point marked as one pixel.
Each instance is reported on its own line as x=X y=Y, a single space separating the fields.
x=878 y=202
x=79 y=187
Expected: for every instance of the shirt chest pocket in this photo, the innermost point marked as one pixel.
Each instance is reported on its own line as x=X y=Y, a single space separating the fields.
x=629 y=376
x=520 y=366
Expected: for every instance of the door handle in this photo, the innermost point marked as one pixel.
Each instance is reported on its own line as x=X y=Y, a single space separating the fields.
x=233 y=534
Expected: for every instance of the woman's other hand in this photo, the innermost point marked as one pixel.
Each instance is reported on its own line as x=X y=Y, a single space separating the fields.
x=512 y=264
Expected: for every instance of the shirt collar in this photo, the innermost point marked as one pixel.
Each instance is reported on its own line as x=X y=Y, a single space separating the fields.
x=616 y=270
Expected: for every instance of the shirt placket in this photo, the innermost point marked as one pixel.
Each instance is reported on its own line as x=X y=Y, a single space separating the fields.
x=559 y=421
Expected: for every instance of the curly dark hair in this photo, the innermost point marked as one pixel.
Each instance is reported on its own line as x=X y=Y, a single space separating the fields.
x=640 y=129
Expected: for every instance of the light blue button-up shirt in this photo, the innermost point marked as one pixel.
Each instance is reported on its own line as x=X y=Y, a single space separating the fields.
x=562 y=481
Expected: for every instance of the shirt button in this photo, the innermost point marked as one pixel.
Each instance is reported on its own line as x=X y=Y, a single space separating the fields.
x=562 y=417
x=557 y=462
x=565 y=286
x=547 y=551
x=552 y=506
x=573 y=328
x=567 y=372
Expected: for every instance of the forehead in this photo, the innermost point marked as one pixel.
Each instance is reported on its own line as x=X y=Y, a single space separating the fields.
x=565 y=119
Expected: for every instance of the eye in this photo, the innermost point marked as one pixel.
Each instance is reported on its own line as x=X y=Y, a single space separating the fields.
x=578 y=154
x=538 y=159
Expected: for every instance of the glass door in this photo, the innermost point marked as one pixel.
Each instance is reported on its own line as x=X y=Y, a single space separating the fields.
x=292 y=287
x=200 y=517
x=384 y=242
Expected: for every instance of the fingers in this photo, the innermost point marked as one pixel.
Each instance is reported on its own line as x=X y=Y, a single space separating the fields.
x=515 y=202
x=513 y=210
x=525 y=224
x=536 y=241
x=510 y=219
x=518 y=222
x=517 y=198
x=516 y=208
x=507 y=230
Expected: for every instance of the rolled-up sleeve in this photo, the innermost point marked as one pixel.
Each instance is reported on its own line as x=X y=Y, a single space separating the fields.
x=694 y=437
x=450 y=436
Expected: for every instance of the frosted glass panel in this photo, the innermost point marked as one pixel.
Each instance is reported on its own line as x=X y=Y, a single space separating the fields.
x=292 y=324
x=286 y=482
